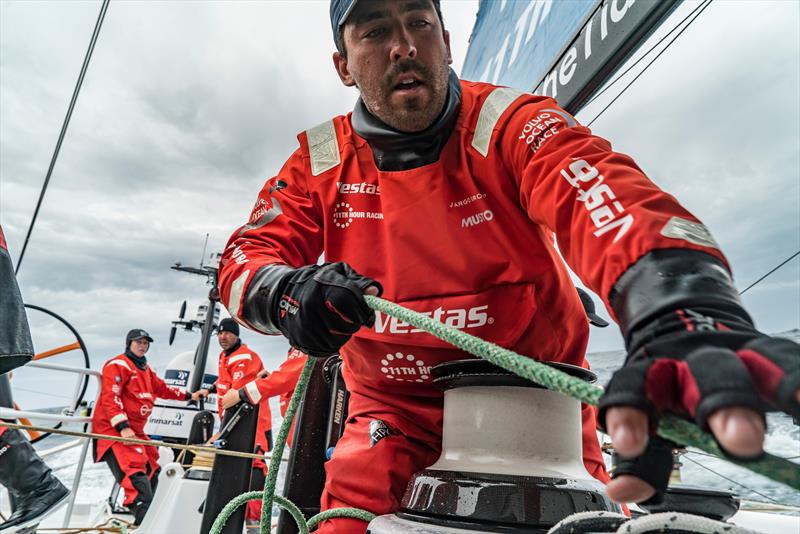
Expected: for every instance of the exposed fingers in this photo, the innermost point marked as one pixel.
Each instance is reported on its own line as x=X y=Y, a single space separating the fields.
x=372 y=290
x=628 y=428
x=628 y=488
x=740 y=431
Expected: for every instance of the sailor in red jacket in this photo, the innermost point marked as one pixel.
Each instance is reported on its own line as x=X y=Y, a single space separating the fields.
x=128 y=391
x=448 y=197
x=239 y=365
x=281 y=381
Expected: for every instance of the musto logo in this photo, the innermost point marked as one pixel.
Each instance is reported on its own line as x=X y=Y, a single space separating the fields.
x=344 y=215
x=405 y=368
x=458 y=318
x=288 y=305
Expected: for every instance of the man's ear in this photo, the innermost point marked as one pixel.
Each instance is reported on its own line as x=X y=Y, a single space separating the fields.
x=340 y=63
x=447 y=45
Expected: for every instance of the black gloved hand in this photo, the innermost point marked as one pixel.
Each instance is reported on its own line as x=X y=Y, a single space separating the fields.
x=692 y=360
x=318 y=307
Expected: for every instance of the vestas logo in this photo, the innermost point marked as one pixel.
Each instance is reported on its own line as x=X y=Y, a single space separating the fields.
x=457 y=318
x=362 y=187
x=238 y=256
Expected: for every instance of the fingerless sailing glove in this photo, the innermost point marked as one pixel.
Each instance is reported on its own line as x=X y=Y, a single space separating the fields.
x=692 y=350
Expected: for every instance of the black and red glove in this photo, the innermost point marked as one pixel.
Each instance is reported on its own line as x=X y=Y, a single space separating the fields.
x=317 y=307
x=692 y=350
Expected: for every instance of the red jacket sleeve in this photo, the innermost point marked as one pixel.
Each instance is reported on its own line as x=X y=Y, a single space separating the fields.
x=115 y=377
x=605 y=212
x=282 y=380
x=162 y=390
x=284 y=227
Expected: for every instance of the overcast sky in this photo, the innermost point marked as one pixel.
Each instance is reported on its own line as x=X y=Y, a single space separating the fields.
x=188 y=107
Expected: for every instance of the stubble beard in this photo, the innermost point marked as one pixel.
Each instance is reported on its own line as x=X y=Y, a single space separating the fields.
x=413 y=115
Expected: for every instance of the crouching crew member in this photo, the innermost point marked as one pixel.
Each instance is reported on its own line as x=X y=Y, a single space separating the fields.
x=129 y=389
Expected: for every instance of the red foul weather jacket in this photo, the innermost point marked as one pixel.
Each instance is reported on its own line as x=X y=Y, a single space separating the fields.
x=469 y=239
x=236 y=370
x=127 y=394
x=281 y=382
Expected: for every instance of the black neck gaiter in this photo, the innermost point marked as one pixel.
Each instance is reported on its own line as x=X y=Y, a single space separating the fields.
x=140 y=362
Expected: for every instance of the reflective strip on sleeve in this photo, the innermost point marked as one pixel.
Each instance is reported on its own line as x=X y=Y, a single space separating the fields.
x=323 y=147
x=693 y=232
x=563 y=114
x=252 y=392
x=237 y=288
x=122 y=363
x=239 y=357
x=494 y=106
x=117 y=419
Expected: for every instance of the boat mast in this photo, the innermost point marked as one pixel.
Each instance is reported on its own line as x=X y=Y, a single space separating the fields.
x=201 y=353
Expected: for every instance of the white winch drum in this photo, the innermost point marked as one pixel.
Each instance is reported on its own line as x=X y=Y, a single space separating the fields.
x=511 y=457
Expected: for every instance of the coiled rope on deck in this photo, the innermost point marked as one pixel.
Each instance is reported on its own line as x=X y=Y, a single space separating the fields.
x=776 y=468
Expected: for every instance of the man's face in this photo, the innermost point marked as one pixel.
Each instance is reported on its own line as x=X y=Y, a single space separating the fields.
x=140 y=346
x=226 y=339
x=397 y=55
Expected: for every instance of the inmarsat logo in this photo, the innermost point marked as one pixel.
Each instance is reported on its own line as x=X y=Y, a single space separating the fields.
x=344 y=215
x=405 y=368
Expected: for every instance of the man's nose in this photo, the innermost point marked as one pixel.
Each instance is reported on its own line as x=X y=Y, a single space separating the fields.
x=403 y=46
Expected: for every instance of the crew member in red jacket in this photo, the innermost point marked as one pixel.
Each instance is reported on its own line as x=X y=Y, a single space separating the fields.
x=239 y=365
x=281 y=381
x=448 y=197
x=127 y=394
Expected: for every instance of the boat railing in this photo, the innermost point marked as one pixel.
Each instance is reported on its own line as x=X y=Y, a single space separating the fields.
x=67 y=417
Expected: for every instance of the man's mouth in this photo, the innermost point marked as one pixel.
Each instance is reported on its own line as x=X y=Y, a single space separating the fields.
x=407 y=83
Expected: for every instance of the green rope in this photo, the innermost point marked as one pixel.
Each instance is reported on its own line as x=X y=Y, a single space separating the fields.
x=670 y=427
x=280 y=443
x=268 y=494
x=236 y=502
x=355 y=513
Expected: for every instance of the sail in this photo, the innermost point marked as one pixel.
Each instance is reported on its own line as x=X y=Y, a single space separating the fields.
x=565 y=50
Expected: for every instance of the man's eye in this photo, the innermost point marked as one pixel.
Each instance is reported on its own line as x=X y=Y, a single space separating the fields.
x=419 y=23
x=377 y=32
